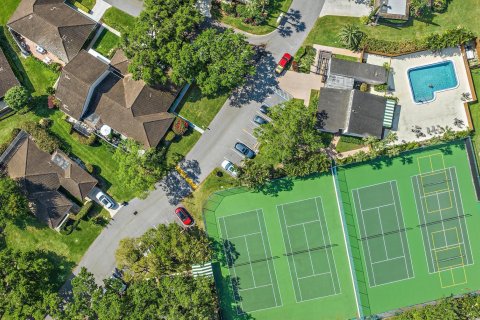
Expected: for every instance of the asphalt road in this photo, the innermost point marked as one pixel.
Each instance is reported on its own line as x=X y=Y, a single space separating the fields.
x=233 y=123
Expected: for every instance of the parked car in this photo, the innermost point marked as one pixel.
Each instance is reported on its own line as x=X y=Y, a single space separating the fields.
x=264 y=109
x=105 y=200
x=244 y=150
x=40 y=49
x=282 y=64
x=230 y=168
x=116 y=275
x=260 y=120
x=184 y=216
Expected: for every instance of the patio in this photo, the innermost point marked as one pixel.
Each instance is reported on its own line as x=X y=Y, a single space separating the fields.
x=414 y=122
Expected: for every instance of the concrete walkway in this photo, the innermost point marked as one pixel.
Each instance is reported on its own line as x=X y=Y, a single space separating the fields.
x=334 y=50
x=99 y=10
x=351 y=8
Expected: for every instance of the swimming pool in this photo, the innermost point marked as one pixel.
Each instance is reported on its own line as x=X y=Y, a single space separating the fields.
x=426 y=80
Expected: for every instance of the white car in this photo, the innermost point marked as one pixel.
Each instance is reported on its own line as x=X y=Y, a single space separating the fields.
x=40 y=49
x=230 y=168
x=105 y=200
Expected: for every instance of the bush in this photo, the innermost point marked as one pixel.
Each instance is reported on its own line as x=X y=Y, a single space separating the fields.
x=43 y=138
x=50 y=90
x=420 y=8
x=381 y=87
x=180 y=126
x=79 y=217
x=440 y=5
x=45 y=122
x=170 y=136
x=88 y=141
x=17 y=97
x=89 y=167
x=305 y=57
x=364 y=87
x=228 y=8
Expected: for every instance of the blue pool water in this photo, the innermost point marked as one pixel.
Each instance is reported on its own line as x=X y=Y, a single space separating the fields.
x=426 y=80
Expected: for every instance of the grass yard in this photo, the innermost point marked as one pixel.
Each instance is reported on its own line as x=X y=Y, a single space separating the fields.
x=70 y=248
x=200 y=109
x=349 y=143
x=107 y=43
x=475 y=112
x=181 y=146
x=460 y=12
x=118 y=19
x=278 y=6
x=343 y=57
x=194 y=203
x=6 y=10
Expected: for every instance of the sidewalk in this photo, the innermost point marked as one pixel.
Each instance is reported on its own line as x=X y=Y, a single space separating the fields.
x=99 y=10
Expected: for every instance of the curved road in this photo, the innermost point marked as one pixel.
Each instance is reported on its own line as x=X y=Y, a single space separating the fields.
x=216 y=143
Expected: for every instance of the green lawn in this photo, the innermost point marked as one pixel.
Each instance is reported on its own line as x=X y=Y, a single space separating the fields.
x=118 y=19
x=200 y=109
x=270 y=25
x=36 y=236
x=343 y=57
x=475 y=111
x=460 y=12
x=6 y=10
x=349 y=143
x=194 y=203
x=107 y=43
x=181 y=146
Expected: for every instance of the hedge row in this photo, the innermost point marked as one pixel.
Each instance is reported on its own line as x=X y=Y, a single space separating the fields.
x=78 y=217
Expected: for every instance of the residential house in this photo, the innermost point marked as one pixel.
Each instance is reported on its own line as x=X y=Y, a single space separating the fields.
x=50 y=29
x=393 y=9
x=106 y=97
x=343 y=109
x=7 y=78
x=49 y=180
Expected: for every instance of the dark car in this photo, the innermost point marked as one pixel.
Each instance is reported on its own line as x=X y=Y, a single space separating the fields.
x=243 y=149
x=184 y=216
x=264 y=109
x=260 y=120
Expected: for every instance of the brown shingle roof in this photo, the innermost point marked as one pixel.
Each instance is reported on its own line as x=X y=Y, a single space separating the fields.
x=76 y=80
x=134 y=109
x=120 y=61
x=42 y=175
x=7 y=77
x=53 y=25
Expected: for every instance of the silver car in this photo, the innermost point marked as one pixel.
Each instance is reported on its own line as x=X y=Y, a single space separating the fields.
x=230 y=168
x=105 y=200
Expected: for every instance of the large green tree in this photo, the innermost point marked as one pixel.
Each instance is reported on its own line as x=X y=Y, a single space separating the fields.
x=17 y=97
x=139 y=169
x=13 y=203
x=351 y=36
x=166 y=250
x=217 y=61
x=160 y=31
x=27 y=289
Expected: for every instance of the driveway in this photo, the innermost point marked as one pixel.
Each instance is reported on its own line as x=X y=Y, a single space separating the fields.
x=214 y=145
x=132 y=7
x=352 y=8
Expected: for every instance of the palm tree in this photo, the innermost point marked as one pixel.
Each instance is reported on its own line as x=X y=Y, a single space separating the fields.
x=351 y=36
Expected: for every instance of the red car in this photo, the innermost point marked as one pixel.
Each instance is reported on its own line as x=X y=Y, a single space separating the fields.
x=282 y=64
x=184 y=216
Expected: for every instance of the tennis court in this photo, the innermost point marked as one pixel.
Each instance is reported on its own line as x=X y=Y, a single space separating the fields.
x=382 y=233
x=442 y=220
x=249 y=259
x=309 y=249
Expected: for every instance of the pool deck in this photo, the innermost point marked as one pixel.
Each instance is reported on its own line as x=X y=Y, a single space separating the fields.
x=442 y=111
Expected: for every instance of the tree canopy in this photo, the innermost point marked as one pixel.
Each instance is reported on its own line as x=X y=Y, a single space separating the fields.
x=166 y=250
x=17 y=97
x=13 y=203
x=217 y=61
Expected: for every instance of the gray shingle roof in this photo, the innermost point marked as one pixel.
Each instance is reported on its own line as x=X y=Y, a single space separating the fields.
x=7 y=77
x=53 y=25
x=361 y=72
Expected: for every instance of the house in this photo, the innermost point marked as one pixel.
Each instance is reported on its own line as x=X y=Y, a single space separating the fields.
x=348 y=72
x=351 y=112
x=49 y=180
x=50 y=29
x=106 y=98
x=7 y=78
x=393 y=9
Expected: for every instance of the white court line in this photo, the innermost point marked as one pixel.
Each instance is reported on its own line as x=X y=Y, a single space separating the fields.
x=250 y=261
x=443 y=222
x=378 y=207
x=400 y=218
x=245 y=235
x=273 y=263
x=268 y=264
x=325 y=243
x=365 y=232
x=236 y=214
x=301 y=223
x=315 y=275
x=435 y=193
x=256 y=287
x=293 y=259
x=383 y=233
x=308 y=249
x=386 y=260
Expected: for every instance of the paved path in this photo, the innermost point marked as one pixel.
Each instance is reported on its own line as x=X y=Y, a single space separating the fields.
x=99 y=9
x=132 y=7
x=214 y=145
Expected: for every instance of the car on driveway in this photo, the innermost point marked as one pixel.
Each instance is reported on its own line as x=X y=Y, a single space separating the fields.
x=244 y=150
x=184 y=216
x=260 y=120
x=264 y=109
x=105 y=200
x=282 y=64
x=229 y=167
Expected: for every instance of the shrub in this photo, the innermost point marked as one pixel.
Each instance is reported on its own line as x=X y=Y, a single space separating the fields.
x=50 y=90
x=351 y=36
x=43 y=138
x=170 y=136
x=45 y=122
x=439 y=5
x=381 y=87
x=17 y=97
x=364 y=87
x=89 y=167
x=305 y=57
x=419 y=8
x=180 y=126
x=365 y=19
x=228 y=8
x=88 y=141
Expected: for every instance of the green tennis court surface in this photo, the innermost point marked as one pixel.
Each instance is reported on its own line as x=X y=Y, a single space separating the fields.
x=371 y=238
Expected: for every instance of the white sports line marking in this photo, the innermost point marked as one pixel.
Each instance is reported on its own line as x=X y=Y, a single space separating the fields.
x=361 y=215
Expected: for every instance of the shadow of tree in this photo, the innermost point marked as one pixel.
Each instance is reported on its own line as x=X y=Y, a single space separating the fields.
x=175 y=187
